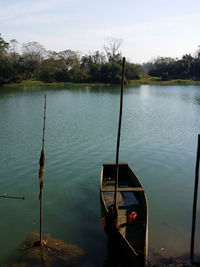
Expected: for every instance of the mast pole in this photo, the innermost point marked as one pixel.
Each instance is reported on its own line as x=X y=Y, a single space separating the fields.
x=119 y=133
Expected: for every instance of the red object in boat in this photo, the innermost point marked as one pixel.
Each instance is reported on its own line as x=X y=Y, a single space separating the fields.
x=132 y=217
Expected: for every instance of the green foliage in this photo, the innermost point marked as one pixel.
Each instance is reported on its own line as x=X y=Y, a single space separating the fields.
x=111 y=73
x=35 y=63
x=188 y=67
x=3 y=46
x=165 y=76
x=133 y=71
x=68 y=66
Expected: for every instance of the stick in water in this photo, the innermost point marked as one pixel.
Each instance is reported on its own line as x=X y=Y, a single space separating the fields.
x=119 y=132
x=13 y=197
x=41 y=171
x=195 y=201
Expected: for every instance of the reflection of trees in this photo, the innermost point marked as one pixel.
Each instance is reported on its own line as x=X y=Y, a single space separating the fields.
x=189 y=94
x=197 y=99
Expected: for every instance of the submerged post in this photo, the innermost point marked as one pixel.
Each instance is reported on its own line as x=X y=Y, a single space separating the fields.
x=13 y=197
x=195 y=201
x=119 y=132
x=41 y=171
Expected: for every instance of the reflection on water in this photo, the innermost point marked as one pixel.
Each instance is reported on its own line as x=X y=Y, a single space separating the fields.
x=159 y=134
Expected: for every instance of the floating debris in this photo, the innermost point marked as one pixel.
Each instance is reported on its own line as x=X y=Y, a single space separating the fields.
x=53 y=252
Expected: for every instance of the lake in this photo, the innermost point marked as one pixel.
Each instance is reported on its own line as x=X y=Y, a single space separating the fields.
x=160 y=126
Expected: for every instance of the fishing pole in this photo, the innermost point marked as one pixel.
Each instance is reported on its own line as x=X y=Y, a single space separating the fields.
x=23 y=198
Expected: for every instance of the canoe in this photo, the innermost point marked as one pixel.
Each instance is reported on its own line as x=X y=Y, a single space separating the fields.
x=132 y=210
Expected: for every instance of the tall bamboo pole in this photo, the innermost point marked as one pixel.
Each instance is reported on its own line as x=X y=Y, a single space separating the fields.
x=119 y=133
x=195 y=201
x=41 y=171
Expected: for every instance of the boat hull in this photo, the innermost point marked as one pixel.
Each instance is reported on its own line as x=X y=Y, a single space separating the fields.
x=132 y=234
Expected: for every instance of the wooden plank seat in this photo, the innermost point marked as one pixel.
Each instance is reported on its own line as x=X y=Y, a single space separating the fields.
x=122 y=189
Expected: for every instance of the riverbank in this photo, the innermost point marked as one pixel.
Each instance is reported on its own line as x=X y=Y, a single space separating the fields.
x=41 y=83
x=149 y=80
x=146 y=80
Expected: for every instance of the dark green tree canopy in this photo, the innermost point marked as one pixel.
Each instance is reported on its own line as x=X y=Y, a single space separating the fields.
x=36 y=63
x=188 y=67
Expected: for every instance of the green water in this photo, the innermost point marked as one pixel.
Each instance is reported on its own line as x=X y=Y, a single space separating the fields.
x=159 y=135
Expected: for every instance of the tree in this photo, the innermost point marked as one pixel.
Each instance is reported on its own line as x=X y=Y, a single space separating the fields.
x=7 y=71
x=69 y=61
x=111 y=73
x=162 y=65
x=3 y=46
x=13 y=46
x=13 y=54
x=112 y=50
x=32 y=55
x=49 y=69
x=133 y=71
x=91 y=65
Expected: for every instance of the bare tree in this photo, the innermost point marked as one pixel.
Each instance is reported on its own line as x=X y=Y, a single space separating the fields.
x=33 y=51
x=112 y=49
x=32 y=55
x=198 y=52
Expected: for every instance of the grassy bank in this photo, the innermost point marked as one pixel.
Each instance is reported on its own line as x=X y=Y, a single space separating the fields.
x=157 y=81
x=40 y=83
x=146 y=80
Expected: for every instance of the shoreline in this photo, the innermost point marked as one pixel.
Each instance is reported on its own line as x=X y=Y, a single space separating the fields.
x=142 y=81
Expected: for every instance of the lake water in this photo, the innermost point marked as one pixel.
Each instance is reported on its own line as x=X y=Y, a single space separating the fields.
x=158 y=139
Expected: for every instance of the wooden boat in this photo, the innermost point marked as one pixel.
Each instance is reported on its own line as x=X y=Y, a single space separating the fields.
x=125 y=205
x=131 y=199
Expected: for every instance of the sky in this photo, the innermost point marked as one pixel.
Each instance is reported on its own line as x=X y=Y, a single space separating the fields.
x=148 y=28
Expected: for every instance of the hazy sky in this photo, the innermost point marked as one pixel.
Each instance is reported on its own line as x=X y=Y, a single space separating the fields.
x=148 y=28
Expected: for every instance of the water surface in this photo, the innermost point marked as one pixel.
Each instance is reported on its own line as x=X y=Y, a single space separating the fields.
x=158 y=139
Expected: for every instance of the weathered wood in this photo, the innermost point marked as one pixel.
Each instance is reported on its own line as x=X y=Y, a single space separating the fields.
x=122 y=189
x=41 y=171
x=195 y=201
x=134 y=237
x=119 y=130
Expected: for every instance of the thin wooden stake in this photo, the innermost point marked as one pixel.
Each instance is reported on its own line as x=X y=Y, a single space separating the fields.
x=195 y=201
x=41 y=171
x=119 y=132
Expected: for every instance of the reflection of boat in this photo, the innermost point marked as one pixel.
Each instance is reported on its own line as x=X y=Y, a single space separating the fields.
x=132 y=210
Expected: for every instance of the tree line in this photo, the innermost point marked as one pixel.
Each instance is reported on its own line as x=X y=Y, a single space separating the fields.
x=34 y=62
x=167 y=68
